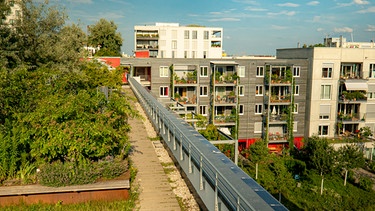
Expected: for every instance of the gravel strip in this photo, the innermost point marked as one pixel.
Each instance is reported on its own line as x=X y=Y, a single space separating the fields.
x=178 y=185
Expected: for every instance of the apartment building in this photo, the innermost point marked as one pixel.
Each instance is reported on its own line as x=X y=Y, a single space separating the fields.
x=170 y=40
x=263 y=98
x=341 y=89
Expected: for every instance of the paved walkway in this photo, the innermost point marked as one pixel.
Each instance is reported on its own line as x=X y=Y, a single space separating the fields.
x=155 y=190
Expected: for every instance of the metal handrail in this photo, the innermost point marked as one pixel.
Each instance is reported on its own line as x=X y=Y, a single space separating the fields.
x=238 y=190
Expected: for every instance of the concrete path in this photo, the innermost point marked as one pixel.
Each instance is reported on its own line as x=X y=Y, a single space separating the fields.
x=155 y=190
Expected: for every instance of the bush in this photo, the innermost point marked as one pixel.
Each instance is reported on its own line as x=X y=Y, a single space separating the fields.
x=64 y=174
x=366 y=183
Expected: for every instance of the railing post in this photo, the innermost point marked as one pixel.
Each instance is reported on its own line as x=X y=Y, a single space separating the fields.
x=174 y=141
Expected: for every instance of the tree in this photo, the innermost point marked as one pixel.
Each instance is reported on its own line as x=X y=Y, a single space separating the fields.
x=103 y=35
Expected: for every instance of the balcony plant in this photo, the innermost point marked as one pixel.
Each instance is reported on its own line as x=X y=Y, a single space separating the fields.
x=217 y=77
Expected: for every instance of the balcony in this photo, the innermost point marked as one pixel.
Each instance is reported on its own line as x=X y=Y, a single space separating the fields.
x=225 y=78
x=226 y=99
x=280 y=99
x=352 y=96
x=351 y=71
x=225 y=119
x=277 y=137
x=185 y=77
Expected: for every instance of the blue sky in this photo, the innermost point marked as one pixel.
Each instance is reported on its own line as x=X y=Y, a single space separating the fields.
x=250 y=26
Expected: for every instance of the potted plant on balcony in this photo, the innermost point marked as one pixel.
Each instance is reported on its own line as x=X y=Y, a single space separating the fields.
x=217 y=76
x=177 y=96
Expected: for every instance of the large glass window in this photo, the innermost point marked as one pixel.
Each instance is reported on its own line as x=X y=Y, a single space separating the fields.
x=325 y=92
x=194 y=35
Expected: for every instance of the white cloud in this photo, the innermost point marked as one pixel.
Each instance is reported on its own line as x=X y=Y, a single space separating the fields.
x=253 y=9
x=343 y=29
x=313 y=3
x=367 y=10
x=370 y=28
x=288 y=4
x=284 y=12
x=317 y=19
x=276 y=27
x=360 y=2
x=319 y=29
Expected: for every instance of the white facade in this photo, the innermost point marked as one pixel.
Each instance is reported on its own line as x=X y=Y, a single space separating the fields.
x=335 y=72
x=170 y=40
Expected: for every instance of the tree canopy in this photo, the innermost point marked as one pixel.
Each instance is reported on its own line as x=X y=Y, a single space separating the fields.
x=104 y=35
x=52 y=105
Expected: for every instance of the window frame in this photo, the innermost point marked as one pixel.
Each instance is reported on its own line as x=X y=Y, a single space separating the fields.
x=321 y=130
x=296 y=71
x=204 y=90
x=203 y=108
x=260 y=69
x=371 y=70
x=296 y=90
x=241 y=109
x=329 y=72
x=322 y=91
x=194 y=34
x=257 y=89
x=163 y=71
x=206 y=70
x=295 y=108
x=164 y=91
x=241 y=90
x=258 y=107
x=186 y=34
x=241 y=71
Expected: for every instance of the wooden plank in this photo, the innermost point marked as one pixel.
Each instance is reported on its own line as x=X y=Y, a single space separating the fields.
x=39 y=189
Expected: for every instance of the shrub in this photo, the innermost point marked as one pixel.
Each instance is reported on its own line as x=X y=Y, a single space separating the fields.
x=64 y=174
x=112 y=169
x=366 y=183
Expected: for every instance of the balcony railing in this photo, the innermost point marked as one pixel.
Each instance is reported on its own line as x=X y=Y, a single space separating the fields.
x=219 y=119
x=225 y=99
x=280 y=99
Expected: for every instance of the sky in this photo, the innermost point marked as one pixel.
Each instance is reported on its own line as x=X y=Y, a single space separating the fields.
x=250 y=27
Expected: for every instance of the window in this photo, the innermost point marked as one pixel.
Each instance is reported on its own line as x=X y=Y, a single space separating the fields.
x=193 y=54
x=185 y=54
x=241 y=90
x=257 y=127
x=186 y=34
x=327 y=72
x=173 y=54
x=323 y=130
x=204 y=54
x=163 y=91
x=205 y=35
x=259 y=90
x=203 y=110
x=203 y=91
x=296 y=71
x=258 y=108
x=241 y=109
x=174 y=44
x=260 y=71
x=372 y=71
x=325 y=111
x=204 y=71
x=194 y=35
x=296 y=90
x=295 y=108
x=163 y=71
x=241 y=71
x=371 y=95
x=325 y=92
